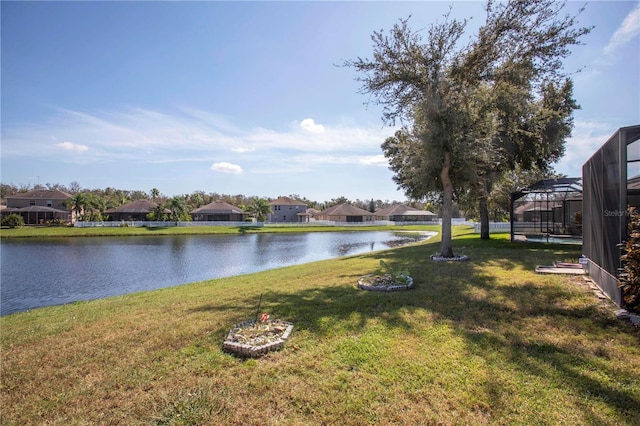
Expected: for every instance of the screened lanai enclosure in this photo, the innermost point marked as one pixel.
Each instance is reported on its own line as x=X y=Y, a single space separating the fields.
x=548 y=211
x=611 y=184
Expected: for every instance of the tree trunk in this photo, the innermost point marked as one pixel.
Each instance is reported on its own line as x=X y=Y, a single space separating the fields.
x=446 y=247
x=484 y=217
x=483 y=209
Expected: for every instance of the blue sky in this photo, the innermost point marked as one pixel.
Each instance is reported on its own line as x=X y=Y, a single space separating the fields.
x=244 y=97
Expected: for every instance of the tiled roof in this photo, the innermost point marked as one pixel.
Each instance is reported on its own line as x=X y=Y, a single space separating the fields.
x=286 y=201
x=345 y=210
x=33 y=209
x=402 y=210
x=138 y=206
x=48 y=194
x=531 y=206
x=218 y=207
x=393 y=210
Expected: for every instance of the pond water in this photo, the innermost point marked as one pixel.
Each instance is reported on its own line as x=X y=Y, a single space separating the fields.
x=54 y=271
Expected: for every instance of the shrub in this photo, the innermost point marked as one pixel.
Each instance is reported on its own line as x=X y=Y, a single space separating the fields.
x=629 y=280
x=93 y=217
x=13 y=221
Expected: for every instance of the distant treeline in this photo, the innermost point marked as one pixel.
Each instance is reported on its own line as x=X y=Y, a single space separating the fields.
x=112 y=197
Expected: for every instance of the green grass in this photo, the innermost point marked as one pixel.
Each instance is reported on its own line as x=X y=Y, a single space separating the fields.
x=479 y=342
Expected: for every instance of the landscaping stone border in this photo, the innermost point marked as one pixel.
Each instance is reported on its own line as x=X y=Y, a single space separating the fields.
x=621 y=313
x=399 y=287
x=456 y=258
x=251 y=351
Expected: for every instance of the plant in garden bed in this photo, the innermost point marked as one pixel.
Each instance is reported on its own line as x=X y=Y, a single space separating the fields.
x=257 y=336
x=389 y=280
x=629 y=280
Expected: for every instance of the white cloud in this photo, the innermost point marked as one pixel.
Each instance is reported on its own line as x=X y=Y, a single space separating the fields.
x=375 y=160
x=323 y=159
x=68 y=146
x=187 y=135
x=587 y=138
x=627 y=31
x=226 y=168
x=282 y=170
x=310 y=126
x=242 y=149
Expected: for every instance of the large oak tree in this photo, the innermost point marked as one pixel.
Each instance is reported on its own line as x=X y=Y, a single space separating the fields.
x=471 y=111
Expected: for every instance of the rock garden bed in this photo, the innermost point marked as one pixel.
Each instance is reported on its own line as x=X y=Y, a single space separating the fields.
x=255 y=338
x=385 y=282
x=389 y=280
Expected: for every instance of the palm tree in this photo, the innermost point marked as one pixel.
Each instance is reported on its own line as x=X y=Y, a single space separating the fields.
x=178 y=208
x=76 y=203
x=197 y=199
x=157 y=213
x=99 y=204
x=259 y=209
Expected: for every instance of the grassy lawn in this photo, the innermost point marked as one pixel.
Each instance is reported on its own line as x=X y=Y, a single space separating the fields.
x=479 y=342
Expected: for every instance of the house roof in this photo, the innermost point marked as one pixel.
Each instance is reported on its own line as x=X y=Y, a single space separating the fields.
x=218 y=207
x=402 y=210
x=48 y=194
x=138 y=206
x=532 y=206
x=394 y=209
x=286 y=201
x=33 y=209
x=308 y=212
x=345 y=210
x=419 y=213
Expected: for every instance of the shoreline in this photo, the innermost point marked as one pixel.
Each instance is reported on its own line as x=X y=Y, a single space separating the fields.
x=69 y=232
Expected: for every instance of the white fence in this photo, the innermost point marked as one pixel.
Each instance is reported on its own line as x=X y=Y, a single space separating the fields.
x=157 y=224
x=167 y=224
x=221 y=223
x=493 y=227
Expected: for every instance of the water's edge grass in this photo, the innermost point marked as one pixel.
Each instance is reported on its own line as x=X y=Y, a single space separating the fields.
x=481 y=342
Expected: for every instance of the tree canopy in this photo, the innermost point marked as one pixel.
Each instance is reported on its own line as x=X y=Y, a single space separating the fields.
x=470 y=112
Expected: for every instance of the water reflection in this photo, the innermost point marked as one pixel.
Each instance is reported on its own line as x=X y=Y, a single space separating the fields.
x=345 y=249
x=38 y=273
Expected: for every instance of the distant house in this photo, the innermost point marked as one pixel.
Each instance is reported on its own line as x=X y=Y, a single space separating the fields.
x=346 y=213
x=288 y=210
x=311 y=214
x=218 y=211
x=404 y=213
x=533 y=211
x=133 y=211
x=39 y=206
x=549 y=206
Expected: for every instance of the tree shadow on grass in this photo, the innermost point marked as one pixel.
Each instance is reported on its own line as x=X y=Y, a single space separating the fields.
x=494 y=302
x=249 y=229
x=443 y=288
x=494 y=312
x=157 y=228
